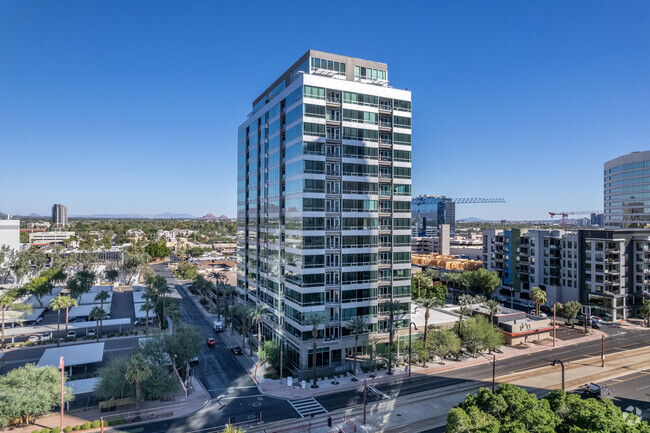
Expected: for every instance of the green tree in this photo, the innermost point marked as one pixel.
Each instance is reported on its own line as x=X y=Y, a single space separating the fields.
x=538 y=296
x=28 y=392
x=40 y=287
x=147 y=306
x=184 y=345
x=112 y=380
x=257 y=314
x=392 y=308
x=202 y=286
x=102 y=296
x=220 y=279
x=477 y=334
x=315 y=319
x=158 y=286
x=68 y=302
x=420 y=284
x=111 y=275
x=134 y=263
x=228 y=294
x=233 y=429
x=443 y=343
x=81 y=282
x=137 y=371
x=493 y=307
x=570 y=310
x=99 y=315
x=645 y=311
x=356 y=326
x=186 y=271
x=482 y=281
x=158 y=250
x=58 y=304
x=428 y=304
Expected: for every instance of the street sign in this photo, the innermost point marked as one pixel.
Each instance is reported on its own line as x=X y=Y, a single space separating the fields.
x=586 y=310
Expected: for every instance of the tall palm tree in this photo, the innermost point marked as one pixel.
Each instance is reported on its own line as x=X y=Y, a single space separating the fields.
x=99 y=315
x=392 y=307
x=58 y=304
x=220 y=282
x=315 y=319
x=428 y=304
x=356 y=325
x=101 y=297
x=240 y=312
x=146 y=306
x=8 y=301
x=138 y=371
x=493 y=307
x=538 y=296
x=257 y=314
x=464 y=311
x=228 y=292
x=68 y=302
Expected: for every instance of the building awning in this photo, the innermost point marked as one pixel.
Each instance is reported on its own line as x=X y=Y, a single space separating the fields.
x=80 y=354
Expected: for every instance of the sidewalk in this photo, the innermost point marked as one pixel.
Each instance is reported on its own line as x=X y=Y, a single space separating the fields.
x=427 y=410
x=274 y=388
x=149 y=411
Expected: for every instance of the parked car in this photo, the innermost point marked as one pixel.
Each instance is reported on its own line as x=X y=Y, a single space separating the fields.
x=92 y=332
x=594 y=390
x=33 y=339
x=46 y=337
x=72 y=334
x=236 y=350
x=210 y=341
x=594 y=321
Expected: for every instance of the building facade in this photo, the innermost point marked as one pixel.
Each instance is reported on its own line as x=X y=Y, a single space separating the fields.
x=60 y=215
x=430 y=212
x=608 y=270
x=10 y=234
x=627 y=191
x=324 y=204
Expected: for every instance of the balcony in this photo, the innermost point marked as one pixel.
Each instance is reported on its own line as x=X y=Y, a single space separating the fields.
x=385 y=142
x=385 y=107
x=385 y=124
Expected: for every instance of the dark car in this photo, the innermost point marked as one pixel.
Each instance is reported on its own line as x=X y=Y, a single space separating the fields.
x=594 y=390
x=236 y=350
x=210 y=341
x=594 y=321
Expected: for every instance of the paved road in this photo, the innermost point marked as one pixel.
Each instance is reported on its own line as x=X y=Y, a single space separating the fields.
x=232 y=393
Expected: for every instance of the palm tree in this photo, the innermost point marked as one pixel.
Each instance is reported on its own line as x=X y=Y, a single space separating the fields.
x=101 y=297
x=392 y=307
x=428 y=304
x=257 y=314
x=58 y=304
x=220 y=280
x=174 y=315
x=315 y=319
x=241 y=313
x=464 y=311
x=8 y=301
x=228 y=292
x=99 y=315
x=68 y=302
x=645 y=311
x=356 y=325
x=538 y=296
x=137 y=371
x=493 y=307
x=146 y=306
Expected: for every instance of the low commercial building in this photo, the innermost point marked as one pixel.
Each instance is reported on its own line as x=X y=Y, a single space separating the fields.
x=46 y=238
x=517 y=326
x=446 y=262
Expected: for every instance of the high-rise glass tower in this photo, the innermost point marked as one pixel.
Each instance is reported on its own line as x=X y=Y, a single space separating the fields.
x=627 y=191
x=60 y=215
x=324 y=206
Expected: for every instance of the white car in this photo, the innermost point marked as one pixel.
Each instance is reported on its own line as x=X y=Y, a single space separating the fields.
x=46 y=337
x=72 y=334
x=33 y=338
x=92 y=332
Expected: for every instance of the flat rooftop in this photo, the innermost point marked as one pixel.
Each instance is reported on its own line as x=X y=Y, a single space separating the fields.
x=80 y=354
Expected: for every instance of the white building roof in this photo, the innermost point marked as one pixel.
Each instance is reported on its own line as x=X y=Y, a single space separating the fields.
x=89 y=298
x=138 y=296
x=84 y=310
x=97 y=289
x=142 y=314
x=80 y=354
x=21 y=316
x=436 y=316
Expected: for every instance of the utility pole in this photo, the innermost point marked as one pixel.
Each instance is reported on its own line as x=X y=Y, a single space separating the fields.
x=281 y=353
x=603 y=351
x=553 y=364
x=554 y=324
x=365 y=398
x=62 y=368
x=494 y=369
x=416 y=328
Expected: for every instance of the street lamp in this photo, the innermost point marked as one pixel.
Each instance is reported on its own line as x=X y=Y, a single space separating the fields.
x=494 y=367
x=416 y=328
x=553 y=364
x=62 y=367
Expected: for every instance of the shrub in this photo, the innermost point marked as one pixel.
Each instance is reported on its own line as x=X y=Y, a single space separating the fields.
x=77 y=428
x=67 y=429
x=46 y=430
x=117 y=421
x=95 y=424
x=36 y=431
x=85 y=426
x=56 y=430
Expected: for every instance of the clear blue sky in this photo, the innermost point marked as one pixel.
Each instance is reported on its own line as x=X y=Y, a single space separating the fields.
x=133 y=106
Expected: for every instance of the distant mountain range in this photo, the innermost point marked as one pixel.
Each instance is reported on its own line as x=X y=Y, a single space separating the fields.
x=166 y=215
x=212 y=217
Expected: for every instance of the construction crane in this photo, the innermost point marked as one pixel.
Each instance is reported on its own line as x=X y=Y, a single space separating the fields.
x=575 y=212
x=430 y=199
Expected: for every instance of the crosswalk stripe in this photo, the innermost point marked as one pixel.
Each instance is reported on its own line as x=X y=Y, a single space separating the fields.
x=307 y=406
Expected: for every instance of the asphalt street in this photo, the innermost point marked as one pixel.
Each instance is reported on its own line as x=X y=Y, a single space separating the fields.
x=233 y=393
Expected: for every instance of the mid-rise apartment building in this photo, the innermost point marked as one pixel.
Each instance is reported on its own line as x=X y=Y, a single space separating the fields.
x=606 y=269
x=10 y=234
x=627 y=191
x=324 y=204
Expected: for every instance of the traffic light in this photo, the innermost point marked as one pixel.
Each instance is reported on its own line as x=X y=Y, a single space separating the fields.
x=329 y=421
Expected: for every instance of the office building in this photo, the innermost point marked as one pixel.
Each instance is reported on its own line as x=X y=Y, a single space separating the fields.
x=59 y=215
x=430 y=212
x=627 y=191
x=608 y=270
x=324 y=205
x=10 y=234
x=46 y=238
